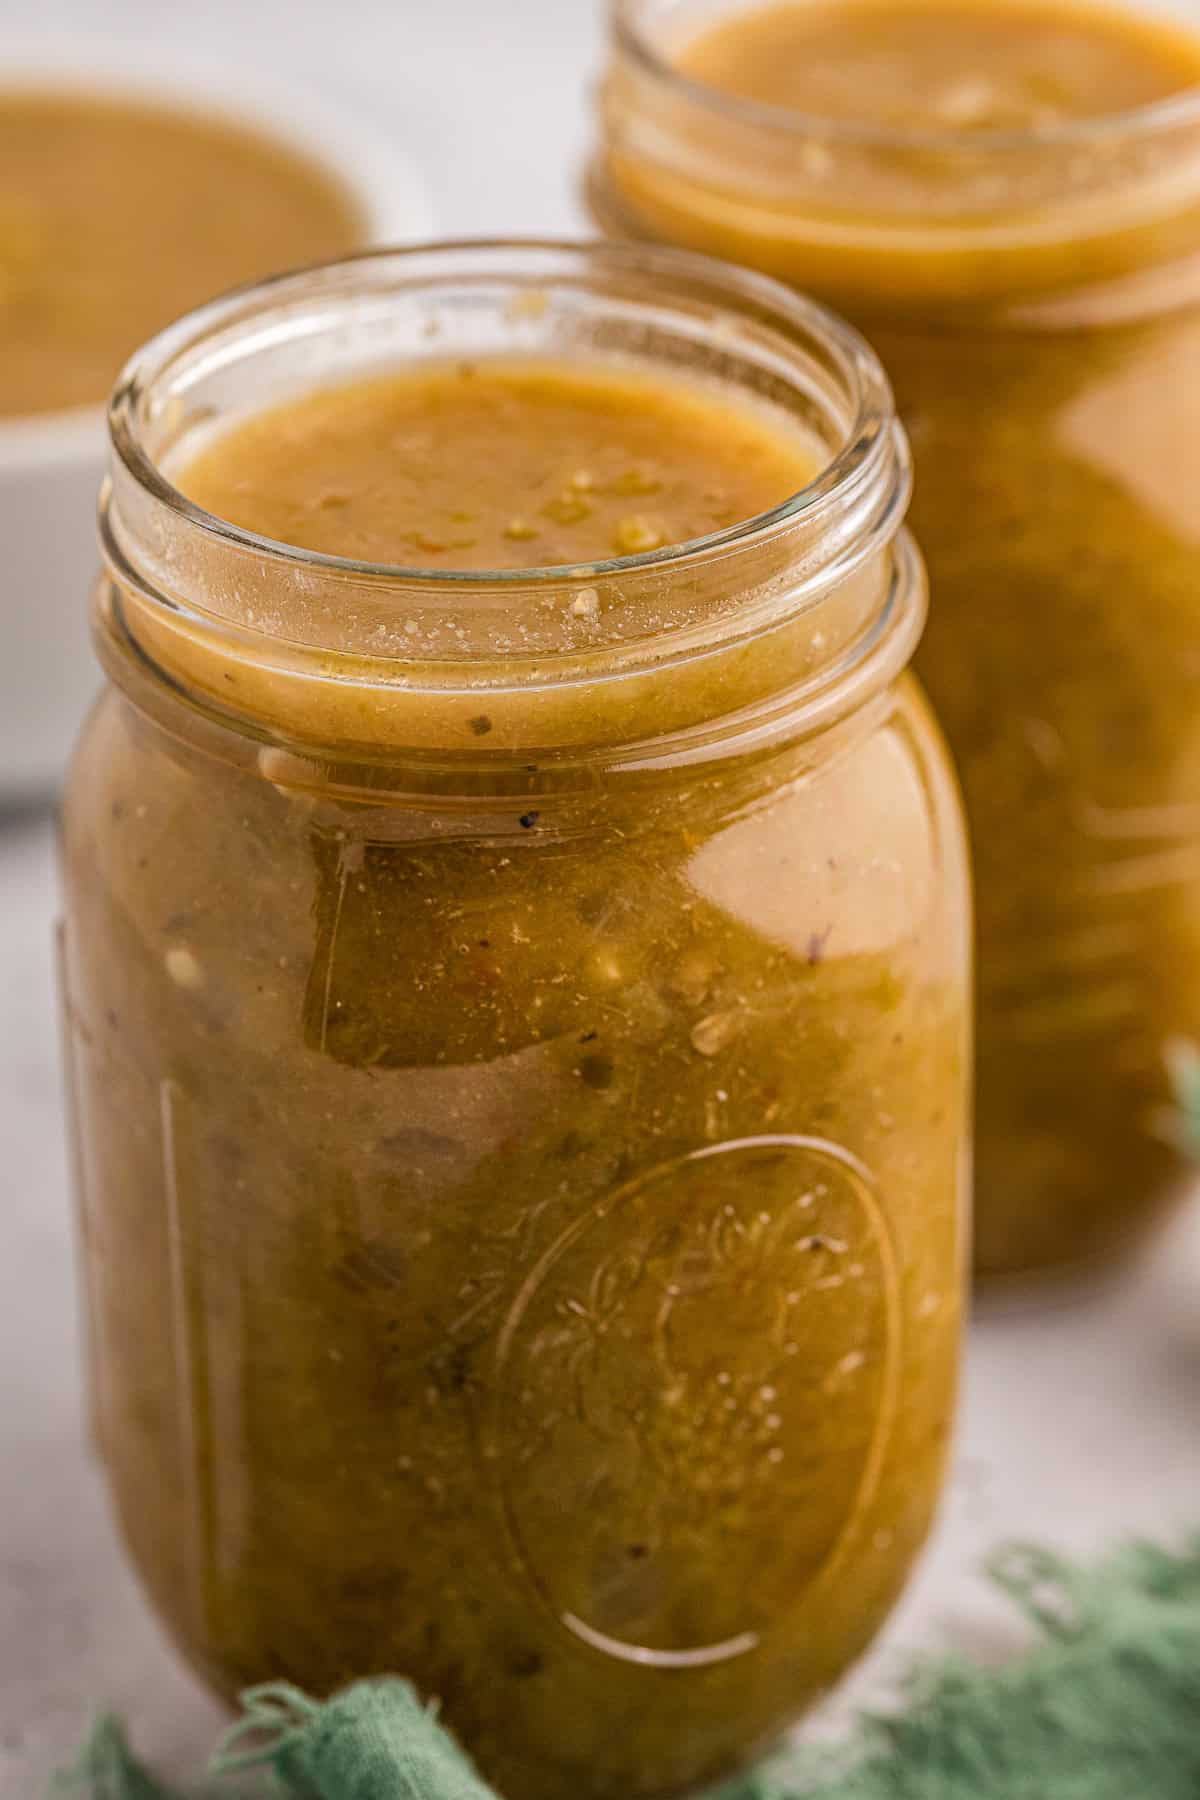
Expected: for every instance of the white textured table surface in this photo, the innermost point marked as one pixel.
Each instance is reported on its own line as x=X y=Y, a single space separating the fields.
x=1080 y=1424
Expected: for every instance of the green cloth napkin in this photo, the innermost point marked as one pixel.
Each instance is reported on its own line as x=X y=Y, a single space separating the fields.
x=1105 y=1707
x=373 y=1741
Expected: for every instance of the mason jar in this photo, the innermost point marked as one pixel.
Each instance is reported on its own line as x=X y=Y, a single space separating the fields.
x=1035 y=297
x=521 y=1171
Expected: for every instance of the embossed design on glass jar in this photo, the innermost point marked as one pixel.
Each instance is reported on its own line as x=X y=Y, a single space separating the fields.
x=712 y=1346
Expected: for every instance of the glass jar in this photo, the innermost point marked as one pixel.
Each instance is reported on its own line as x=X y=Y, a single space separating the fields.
x=1036 y=301
x=521 y=1087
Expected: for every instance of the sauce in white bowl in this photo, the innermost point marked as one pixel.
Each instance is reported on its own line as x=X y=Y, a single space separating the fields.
x=295 y=175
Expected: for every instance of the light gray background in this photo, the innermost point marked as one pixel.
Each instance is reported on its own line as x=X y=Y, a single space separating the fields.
x=1082 y=1420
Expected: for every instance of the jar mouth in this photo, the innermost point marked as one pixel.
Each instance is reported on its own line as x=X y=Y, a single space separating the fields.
x=1165 y=115
x=324 y=648
x=867 y=394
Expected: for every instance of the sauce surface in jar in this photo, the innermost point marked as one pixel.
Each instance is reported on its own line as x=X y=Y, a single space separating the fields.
x=485 y=465
x=1005 y=196
x=949 y=65
x=519 y=1022
x=116 y=216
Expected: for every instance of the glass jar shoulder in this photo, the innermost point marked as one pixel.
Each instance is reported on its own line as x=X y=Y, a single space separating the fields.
x=390 y=913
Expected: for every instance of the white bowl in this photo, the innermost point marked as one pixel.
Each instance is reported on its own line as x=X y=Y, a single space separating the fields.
x=51 y=464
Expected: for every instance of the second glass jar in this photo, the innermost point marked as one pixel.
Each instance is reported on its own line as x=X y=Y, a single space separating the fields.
x=1035 y=298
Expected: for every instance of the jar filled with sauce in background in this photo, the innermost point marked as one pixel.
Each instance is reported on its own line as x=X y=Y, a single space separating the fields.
x=1005 y=196
x=516 y=970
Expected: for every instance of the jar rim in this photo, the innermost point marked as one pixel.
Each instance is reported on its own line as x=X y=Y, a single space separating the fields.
x=866 y=438
x=299 y=641
x=1167 y=114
